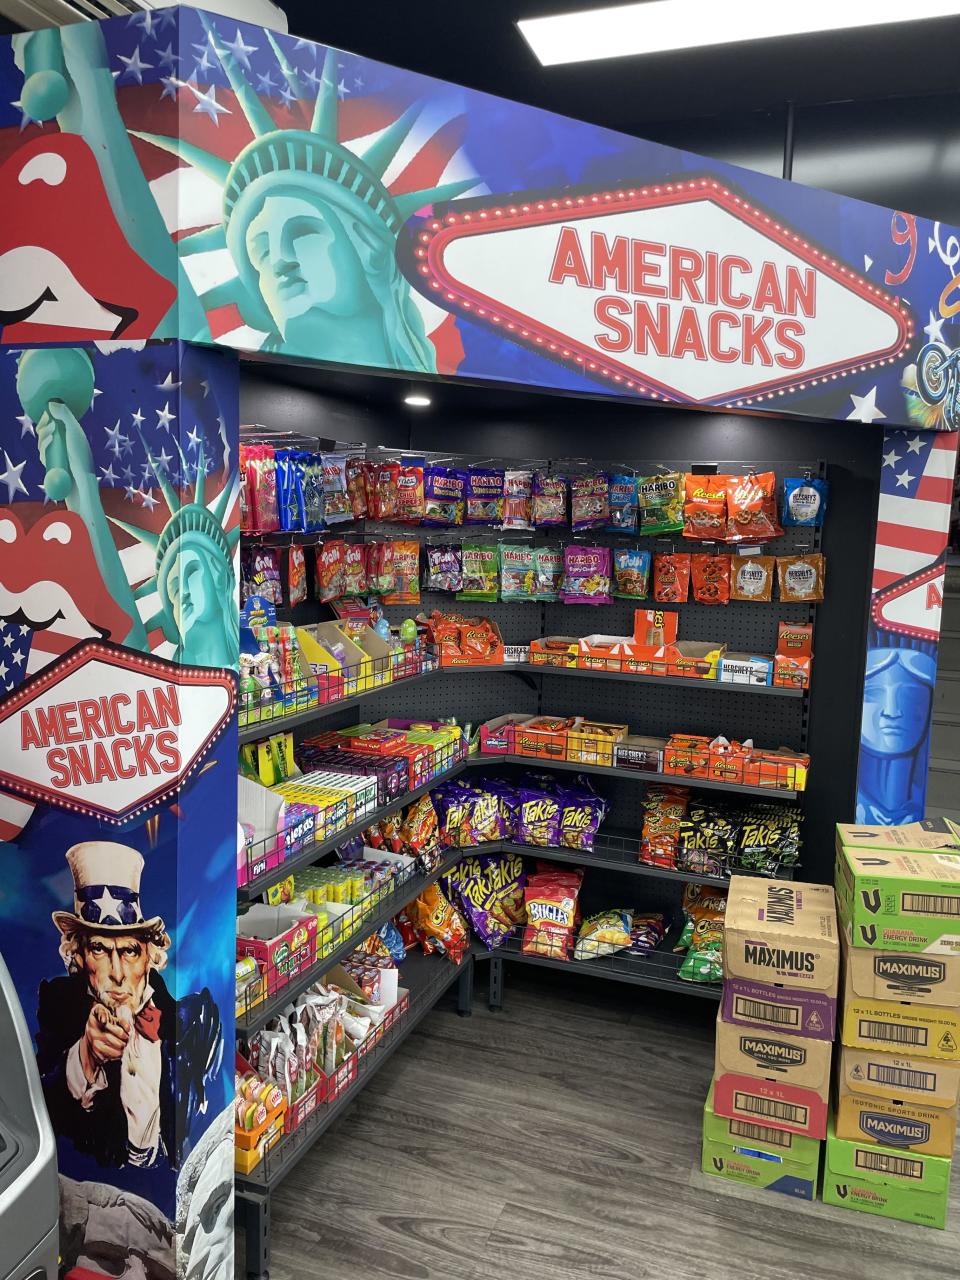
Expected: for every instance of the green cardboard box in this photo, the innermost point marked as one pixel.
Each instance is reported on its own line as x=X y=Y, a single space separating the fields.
x=757 y=1155
x=899 y=901
x=884 y=1180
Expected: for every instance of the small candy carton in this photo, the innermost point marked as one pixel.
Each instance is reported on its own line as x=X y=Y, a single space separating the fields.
x=745 y=668
x=593 y=742
x=554 y=651
x=794 y=655
x=687 y=754
x=281 y=940
x=636 y=751
x=497 y=736
x=759 y=1155
x=886 y=1180
x=544 y=737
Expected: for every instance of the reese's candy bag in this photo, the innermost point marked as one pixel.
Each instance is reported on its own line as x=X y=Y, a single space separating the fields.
x=671 y=577
x=711 y=579
x=705 y=507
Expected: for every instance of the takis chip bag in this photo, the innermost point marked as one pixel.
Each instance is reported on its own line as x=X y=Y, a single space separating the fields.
x=622 y=497
x=705 y=507
x=549 y=502
x=631 y=573
x=517 y=499
x=443 y=489
x=671 y=577
x=538 y=818
x=581 y=813
x=660 y=503
x=804 y=501
x=586 y=575
x=484 y=496
x=602 y=934
x=516 y=572
x=711 y=579
x=751 y=577
x=480 y=572
x=444 y=568
x=589 y=502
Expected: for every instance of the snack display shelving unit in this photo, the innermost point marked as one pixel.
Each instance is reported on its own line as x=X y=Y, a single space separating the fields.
x=651 y=703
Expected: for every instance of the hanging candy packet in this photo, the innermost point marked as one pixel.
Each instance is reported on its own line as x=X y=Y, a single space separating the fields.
x=444 y=569
x=410 y=493
x=751 y=507
x=443 y=496
x=549 y=500
x=260 y=573
x=297 y=574
x=711 y=579
x=751 y=577
x=354 y=569
x=805 y=501
x=586 y=575
x=262 y=488
x=312 y=492
x=517 y=499
x=484 y=496
x=356 y=485
x=705 y=507
x=329 y=566
x=480 y=572
x=547 y=572
x=289 y=493
x=622 y=493
x=382 y=497
x=631 y=573
x=337 y=505
x=660 y=503
x=801 y=578
x=671 y=577
x=516 y=573
x=405 y=572
x=589 y=502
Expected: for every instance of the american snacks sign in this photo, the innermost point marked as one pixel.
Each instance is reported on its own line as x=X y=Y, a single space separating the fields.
x=686 y=291
x=109 y=732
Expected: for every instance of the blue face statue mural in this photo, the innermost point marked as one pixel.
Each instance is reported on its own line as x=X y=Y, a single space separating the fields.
x=894 y=733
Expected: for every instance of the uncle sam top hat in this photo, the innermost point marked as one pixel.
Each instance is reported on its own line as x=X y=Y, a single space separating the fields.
x=106 y=890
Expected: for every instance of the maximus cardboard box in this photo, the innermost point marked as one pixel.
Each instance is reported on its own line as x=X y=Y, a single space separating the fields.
x=781 y=957
x=758 y=1155
x=885 y=1181
x=772 y=1079
x=895 y=1026
x=899 y=1102
x=902 y=977
x=899 y=901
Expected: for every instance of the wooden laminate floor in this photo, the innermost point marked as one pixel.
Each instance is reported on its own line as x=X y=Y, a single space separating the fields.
x=559 y=1139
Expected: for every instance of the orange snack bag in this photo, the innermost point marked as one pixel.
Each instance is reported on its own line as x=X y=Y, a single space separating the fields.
x=711 y=579
x=705 y=507
x=671 y=577
x=751 y=507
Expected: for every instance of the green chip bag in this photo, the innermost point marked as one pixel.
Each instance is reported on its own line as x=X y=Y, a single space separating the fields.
x=480 y=572
x=660 y=503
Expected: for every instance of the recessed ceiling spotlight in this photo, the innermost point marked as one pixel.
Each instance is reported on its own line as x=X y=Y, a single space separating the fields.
x=657 y=26
x=417 y=401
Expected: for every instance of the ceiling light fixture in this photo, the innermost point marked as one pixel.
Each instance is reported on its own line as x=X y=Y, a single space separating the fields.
x=417 y=401
x=657 y=26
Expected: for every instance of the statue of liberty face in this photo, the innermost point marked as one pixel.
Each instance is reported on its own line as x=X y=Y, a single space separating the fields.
x=896 y=710
x=198 y=591
x=305 y=260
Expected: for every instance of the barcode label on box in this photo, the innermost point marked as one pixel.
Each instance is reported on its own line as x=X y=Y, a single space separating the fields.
x=930 y=904
x=892 y=1032
x=880 y=1162
x=781 y=1015
x=761 y=1133
x=771 y=1108
x=902 y=1077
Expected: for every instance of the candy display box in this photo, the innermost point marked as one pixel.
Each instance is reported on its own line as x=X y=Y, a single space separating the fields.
x=767 y=1078
x=544 y=737
x=261 y=812
x=636 y=751
x=745 y=668
x=497 y=736
x=885 y=1180
x=281 y=940
x=593 y=742
x=794 y=655
x=757 y=1155
x=555 y=651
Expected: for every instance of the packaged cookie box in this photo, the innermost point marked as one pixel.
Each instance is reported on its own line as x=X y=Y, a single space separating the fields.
x=544 y=737
x=759 y=1155
x=555 y=651
x=635 y=751
x=886 y=1180
x=593 y=742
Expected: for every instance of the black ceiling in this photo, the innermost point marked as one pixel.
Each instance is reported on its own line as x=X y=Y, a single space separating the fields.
x=479 y=45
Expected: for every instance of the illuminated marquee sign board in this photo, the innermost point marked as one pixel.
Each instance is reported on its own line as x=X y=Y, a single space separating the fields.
x=913 y=605
x=110 y=733
x=684 y=292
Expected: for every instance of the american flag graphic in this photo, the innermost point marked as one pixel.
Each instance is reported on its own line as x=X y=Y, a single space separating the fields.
x=916 y=492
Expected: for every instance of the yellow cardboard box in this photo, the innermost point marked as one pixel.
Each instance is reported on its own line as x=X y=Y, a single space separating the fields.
x=920 y=1030
x=898 y=1102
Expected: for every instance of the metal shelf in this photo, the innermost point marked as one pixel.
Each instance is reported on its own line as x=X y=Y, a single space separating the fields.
x=427 y=978
x=260 y=1014
x=679 y=682
x=658 y=969
x=317 y=849
x=634 y=775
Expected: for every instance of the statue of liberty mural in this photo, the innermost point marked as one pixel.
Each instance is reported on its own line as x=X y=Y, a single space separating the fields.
x=309 y=224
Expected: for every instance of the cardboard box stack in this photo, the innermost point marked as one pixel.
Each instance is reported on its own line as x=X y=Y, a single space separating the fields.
x=892 y=1135
x=766 y=1115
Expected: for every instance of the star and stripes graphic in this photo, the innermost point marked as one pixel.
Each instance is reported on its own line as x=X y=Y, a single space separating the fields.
x=916 y=494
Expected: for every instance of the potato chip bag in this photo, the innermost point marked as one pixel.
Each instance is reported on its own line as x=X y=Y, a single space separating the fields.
x=704 y=959
x=538 y=818
x=751 y=577
x=550 y=900
x=603 y=934
x=439 y=925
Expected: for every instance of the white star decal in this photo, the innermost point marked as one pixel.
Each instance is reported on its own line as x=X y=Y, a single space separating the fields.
x=3 y=624
x=208 y=105
x=164 y=459
x=891 y=459
x=11 y=477
x=203 y=62
x=148 y=500
x=170 y=86
x=934 y=330
x=8 y=639
x=240 y=50
x=266 y=84
x=147 y=20
x=23 y=629
x=166 y=58
x=126 y=445
x=193 y=439
x=311 y=77
x=134 y=65
x=4 y=669
x=165 y=417
x=342 y=89
x=206 y=387
x=288 y=97
x=358 y=82
x=127 y=475
x=17 y=657
x=865 y=408
x=168 y=384
x=131 y=492
x=109 y=906
x=904 y=479
x=26 y=425
x=915 y=445
x=138 y=418
x=109 y=475
x=114 y=438
x=867 y=262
